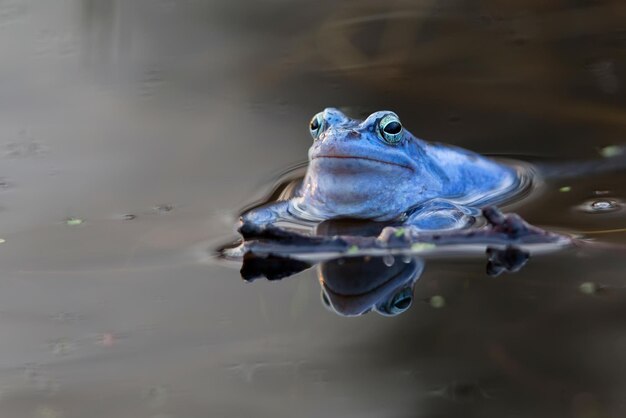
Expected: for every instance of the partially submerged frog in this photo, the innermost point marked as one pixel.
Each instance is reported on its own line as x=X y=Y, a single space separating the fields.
x=421 y=197
x=376 y=169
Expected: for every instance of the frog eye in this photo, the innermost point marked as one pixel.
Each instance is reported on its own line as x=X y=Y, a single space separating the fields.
x=317 y=125
x=390 y=129
x=399 y=303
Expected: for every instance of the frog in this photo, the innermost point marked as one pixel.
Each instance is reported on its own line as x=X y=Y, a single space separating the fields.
x=381 y=201
x=375 y=169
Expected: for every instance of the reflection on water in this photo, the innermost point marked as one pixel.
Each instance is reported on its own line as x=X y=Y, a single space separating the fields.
x=355 y=286
x=110 y=110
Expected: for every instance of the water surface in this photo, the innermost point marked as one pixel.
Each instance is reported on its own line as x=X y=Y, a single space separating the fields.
x=150 y=124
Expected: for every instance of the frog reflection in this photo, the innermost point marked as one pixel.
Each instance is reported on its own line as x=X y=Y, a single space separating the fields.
x=357 y=285
x=353 y=286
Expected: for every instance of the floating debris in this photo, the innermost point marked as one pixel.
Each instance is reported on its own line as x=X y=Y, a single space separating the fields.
x=353 y=249
x=588 y=288
x=611 y=151
x=4 y=184
x=62 y=346
x=2 y=240
x=437 y=301
x=422 y=246
x=107 y=339
x=74 y=221
x=164 y=208
x=565 y=189
x=129 y=217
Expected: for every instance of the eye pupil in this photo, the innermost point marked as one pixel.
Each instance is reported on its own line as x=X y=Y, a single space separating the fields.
x=400 y=302
x=392 y=128
x=315 y=124
x=403 y=303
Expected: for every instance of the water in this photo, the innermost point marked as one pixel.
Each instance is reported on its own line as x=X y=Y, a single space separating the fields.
x=132 y=133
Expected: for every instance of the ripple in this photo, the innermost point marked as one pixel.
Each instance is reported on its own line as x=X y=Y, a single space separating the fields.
x=603 y=205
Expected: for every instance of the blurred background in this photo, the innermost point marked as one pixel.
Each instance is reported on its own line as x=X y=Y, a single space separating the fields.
x=133 y=132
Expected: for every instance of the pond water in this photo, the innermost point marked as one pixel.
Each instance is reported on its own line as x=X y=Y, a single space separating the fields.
x=133 y=133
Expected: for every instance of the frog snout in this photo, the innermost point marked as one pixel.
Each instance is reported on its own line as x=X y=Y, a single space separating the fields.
x=343 y=134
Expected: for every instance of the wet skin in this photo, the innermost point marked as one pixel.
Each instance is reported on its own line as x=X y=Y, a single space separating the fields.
x=376 y=169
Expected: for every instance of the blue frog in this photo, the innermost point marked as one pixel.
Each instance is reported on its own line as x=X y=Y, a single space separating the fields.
x=376 y=169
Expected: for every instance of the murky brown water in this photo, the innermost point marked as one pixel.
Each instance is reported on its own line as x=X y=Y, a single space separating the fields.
x=149 y=124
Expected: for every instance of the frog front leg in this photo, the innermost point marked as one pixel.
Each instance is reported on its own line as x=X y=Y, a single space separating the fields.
x=441 y=214
x=434 y=215
x=255 y=221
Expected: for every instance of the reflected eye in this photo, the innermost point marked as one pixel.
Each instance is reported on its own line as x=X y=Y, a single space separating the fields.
x=390 y=129
x=317 y=125
x=400 y=302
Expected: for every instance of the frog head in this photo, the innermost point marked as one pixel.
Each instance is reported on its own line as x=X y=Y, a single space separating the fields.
x=364 y=168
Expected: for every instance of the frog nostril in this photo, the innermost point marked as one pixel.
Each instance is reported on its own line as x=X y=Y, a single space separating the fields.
x=353 y=134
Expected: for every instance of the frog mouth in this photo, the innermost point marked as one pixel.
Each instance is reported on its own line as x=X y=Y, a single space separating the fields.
x=356 y=157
